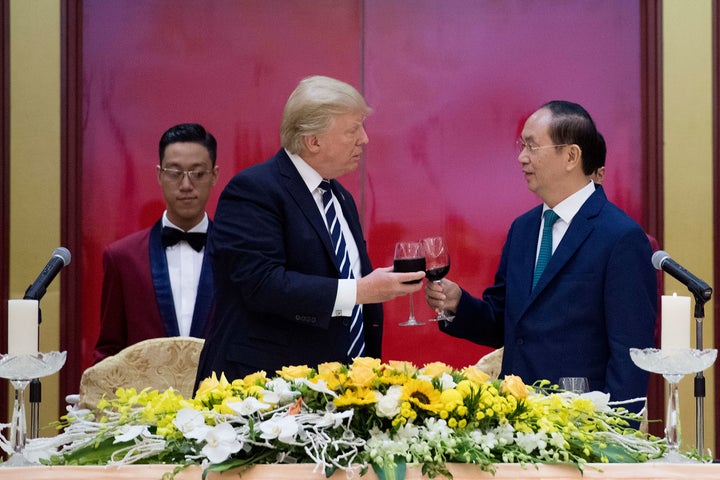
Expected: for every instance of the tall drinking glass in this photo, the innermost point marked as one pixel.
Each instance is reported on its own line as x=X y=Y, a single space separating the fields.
x=409 y=257
x=437 y=265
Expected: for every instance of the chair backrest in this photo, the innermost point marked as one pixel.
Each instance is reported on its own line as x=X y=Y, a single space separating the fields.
x=491 y=363
x=158 y=363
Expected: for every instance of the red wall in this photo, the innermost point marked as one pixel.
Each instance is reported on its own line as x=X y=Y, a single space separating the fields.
x=450 y=82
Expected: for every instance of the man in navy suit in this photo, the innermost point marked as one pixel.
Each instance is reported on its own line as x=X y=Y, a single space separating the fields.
x=597 y=296
x=158 y=282
x=283 y=297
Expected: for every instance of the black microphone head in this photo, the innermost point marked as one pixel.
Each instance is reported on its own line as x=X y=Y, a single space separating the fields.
x=64 y=255
x=658 y=258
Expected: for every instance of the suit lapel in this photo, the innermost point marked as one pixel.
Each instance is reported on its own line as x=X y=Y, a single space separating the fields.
x=161 y=281
x=298 y=190
x=580 y=228
x=205 y=295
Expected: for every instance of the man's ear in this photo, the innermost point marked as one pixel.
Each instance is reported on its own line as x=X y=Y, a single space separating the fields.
x=574 y=159
x=311 y=143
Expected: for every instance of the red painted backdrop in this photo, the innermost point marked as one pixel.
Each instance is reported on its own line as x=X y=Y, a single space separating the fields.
x=450 y=82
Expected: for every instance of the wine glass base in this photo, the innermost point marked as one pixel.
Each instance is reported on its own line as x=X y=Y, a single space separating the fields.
x=17 y=460
x=674 y=457
x=411 y=323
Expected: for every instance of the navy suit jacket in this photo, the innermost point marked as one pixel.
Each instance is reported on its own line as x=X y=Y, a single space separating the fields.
x=137 y=302
x=276 y=278
x=596 y=298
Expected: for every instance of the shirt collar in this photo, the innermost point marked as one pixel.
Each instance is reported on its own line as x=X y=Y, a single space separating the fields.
x=200 y=227
x=568 y=208
x=311 y=178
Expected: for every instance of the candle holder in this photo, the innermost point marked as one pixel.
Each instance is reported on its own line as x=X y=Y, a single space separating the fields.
x=673 y=364
x=20 y=369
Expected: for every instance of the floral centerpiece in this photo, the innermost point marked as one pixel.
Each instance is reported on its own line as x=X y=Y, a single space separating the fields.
x=352 y=417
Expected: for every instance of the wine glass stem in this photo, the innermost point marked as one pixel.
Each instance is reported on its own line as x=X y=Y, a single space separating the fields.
x=412 y=308
x=672 y=422
x=18 y=429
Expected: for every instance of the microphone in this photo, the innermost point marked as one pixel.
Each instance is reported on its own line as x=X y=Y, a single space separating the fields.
x=661 y=260
x=60 y=258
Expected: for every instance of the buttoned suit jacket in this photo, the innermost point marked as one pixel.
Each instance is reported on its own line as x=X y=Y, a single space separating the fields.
x=276 y=276
x=596 y=298
x=137 y=301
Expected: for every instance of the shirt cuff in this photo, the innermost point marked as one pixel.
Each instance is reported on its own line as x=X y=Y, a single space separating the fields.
x=345 y=299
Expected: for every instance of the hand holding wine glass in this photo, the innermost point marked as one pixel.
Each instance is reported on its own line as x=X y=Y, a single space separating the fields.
x=437 y=265
x=409 y=257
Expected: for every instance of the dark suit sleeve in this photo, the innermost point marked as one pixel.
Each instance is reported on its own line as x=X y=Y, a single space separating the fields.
x=630 y=306
x=265 y=250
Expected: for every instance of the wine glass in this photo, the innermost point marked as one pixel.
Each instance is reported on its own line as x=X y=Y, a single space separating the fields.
x=409 y=257
x=20 y=369
x=574 y=384
x=673 y=364
x=437 y=260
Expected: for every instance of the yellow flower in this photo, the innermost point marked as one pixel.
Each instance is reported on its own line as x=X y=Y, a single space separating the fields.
x=422 y=394
x=451 y=399
x=330 y=368
x=514 y=385
x=368 y=362
x=436 y=369
x=212 y=383
x=294 y=372
x=362 y=376
x=257 y=378
x=402 y=366
x=351 y=397
x=475 y=374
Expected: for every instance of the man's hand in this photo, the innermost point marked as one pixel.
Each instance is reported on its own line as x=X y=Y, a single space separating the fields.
x=383 y=284
x=443 y=296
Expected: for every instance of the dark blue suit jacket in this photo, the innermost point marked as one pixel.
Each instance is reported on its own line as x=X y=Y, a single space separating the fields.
x=276 y=277
x=596 y=299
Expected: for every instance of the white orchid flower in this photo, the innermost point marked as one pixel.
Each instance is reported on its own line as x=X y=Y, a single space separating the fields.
x=248 y=406
x=130 y=432
x=284 y=428
x=221 y=442
x=191 y=423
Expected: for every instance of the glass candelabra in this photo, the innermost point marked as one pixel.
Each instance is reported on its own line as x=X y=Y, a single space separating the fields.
x=20 y=369
x=673 y=364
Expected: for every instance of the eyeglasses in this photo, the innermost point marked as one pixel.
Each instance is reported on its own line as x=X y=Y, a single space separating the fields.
x=522 y=146
x=195 y=176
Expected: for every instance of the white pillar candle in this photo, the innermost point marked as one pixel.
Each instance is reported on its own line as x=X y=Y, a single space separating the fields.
x=675 y=322
x=22 y=327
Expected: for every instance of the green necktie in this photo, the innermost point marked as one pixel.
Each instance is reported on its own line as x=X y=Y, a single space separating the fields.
x=545 y=245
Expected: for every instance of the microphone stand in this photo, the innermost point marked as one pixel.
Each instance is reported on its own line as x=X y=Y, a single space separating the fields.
x=699 y=377
x=35 y=393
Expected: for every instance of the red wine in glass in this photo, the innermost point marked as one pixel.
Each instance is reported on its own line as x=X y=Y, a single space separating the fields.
x=409 y=257
x=437 y=261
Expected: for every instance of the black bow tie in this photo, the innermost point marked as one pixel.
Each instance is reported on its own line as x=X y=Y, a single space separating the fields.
x=171 y=236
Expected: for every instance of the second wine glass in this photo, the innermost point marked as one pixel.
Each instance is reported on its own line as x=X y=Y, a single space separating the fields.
x=437 y=265
x=409 y=257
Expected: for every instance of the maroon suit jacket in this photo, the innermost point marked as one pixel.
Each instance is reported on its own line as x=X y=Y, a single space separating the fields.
x=137 y=301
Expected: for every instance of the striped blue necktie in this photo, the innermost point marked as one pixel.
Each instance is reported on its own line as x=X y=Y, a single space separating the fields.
x=342 y=259
x=545 y=245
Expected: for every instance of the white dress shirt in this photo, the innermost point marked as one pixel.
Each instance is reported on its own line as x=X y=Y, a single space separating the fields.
x=566 y=210
x=184 y=266
x=347 y=288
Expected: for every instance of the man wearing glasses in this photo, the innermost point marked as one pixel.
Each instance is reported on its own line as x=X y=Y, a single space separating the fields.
x=158 y=282
x=575 y=288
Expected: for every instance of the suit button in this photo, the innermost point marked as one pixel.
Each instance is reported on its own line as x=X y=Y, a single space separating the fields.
x=346 y=321
x=519 y=341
